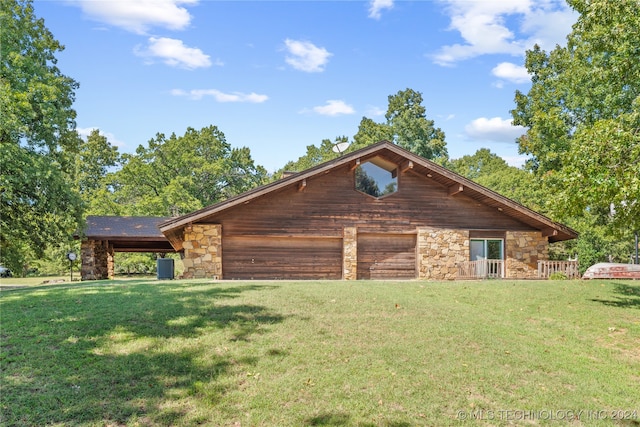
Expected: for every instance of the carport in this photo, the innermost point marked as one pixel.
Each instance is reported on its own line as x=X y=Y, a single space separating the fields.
x=106 y=235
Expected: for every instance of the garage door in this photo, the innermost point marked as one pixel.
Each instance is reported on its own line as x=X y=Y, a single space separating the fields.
x=386 y=256
x=281 y=258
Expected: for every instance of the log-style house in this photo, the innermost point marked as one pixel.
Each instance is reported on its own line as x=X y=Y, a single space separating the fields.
x=377 y=213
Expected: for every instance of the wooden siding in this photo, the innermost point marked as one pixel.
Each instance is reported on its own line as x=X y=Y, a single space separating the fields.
x=330 y=202
x=296 y=232
x=387 y=256
x=281 y=258
x=408 y=164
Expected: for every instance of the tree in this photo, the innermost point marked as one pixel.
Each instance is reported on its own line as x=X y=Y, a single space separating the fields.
x=179 y=174
x=406 y=125
x=370 y=132
x=412 y=130
x=314 y=156
x=490 y=170
x=95 y=157
x=583 y=115
x=38 y=141
x=482 y=163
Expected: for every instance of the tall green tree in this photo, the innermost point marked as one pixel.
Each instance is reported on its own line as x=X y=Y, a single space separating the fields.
x=179 y=174
x=406 y=125
x=370 y=132
x=583 y=115
x=96 y=156
x=38 y=142
x=412 y=130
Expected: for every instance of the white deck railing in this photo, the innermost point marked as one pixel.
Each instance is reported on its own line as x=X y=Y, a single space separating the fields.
x=482 y=269
x=569 y=268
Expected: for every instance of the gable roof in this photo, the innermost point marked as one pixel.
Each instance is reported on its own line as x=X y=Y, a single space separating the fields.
x=406 y=161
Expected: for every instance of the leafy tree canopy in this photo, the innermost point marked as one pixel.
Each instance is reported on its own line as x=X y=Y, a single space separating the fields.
x=490 y=170
x=314 y=156
x=406 y=126
x=96 y=156
x=179 y=174
x=38 y=141
x=583 y=115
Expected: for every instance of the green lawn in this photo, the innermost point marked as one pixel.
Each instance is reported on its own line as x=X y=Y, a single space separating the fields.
x=147 y=352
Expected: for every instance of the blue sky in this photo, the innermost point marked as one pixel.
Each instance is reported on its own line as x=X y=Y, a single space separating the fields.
x=277 y=76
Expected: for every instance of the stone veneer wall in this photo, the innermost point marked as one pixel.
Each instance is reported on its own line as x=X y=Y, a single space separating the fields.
x=202 y=251
x=94 y=255
x=523 y=249
x=350 y=253
x=439 y=252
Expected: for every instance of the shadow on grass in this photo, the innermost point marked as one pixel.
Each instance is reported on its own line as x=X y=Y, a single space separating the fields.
x=627 y=296
x=344 y=419
x=329 y=419
x=113 y=354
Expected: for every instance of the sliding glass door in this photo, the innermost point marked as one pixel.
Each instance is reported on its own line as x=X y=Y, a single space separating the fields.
x=491 y=252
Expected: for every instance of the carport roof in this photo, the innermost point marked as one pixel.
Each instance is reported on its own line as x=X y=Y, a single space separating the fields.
x=128 y=233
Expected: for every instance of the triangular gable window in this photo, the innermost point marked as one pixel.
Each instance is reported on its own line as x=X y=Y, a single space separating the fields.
x=377 y=177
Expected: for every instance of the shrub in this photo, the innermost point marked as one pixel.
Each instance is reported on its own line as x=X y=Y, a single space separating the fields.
x=558 y=275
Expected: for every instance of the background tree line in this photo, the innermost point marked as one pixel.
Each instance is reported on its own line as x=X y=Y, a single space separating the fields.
x=582 y=115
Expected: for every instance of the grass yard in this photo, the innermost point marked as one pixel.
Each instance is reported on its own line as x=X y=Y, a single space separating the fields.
x=148 y=353
x=9 y=283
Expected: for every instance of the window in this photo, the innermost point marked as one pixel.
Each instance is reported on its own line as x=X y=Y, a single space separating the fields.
x=490 y=251
x=377 y=177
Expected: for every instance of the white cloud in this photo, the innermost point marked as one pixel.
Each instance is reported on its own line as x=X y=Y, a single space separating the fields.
x=484 y=27
x=138 y=16
x=219 y=96
x=376 y=6
x=547 y=28
x=447 y=117
x=173 y=52
x=511 y=72
x=494 y=129
x=334 y=107
x=305 y=56
x=374 y=111
x=111 y=138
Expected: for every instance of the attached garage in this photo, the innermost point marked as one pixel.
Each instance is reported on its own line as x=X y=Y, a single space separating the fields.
x=281 y=257
x=386 y=256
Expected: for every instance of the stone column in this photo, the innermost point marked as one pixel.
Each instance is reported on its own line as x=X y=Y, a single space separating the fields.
x=111 y=269
x=523 y=249
x=439 y=251
x=202 y=251
x=350 y=253
x=93 y=255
